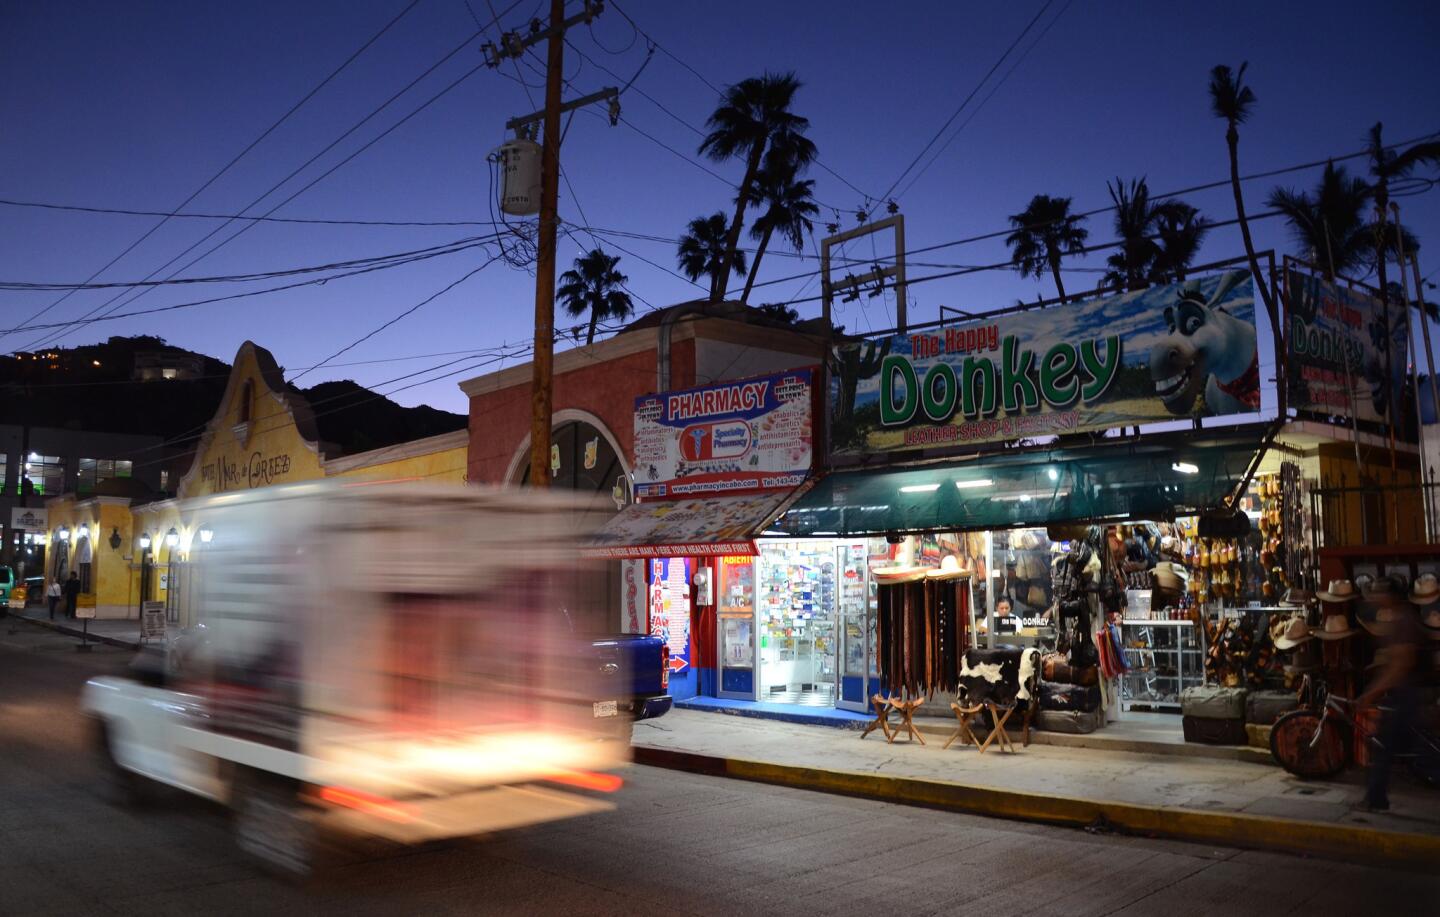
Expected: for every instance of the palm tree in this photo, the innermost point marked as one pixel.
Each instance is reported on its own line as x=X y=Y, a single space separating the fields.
x=594 y=285
x=1045 y=231
x=1179 y=230
x=702 y=250
x=1386 y=165
x=1329 y=226
x=789 y=207
x=1231 y=101
x=754 y=121
x=1130 y=265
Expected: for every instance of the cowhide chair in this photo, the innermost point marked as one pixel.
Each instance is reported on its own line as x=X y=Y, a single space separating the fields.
x=996 y=680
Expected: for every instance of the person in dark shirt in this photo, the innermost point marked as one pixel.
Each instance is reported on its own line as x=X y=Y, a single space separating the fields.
x=1395 y=624
x=72 y=593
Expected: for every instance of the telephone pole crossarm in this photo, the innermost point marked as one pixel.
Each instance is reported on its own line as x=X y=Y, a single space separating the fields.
x=608 y=93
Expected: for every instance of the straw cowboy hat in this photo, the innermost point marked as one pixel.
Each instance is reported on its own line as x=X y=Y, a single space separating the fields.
x=1426 y=590
x=1430 y=621
x=1339 y=590
x=1293 y=632
x=1336 y=627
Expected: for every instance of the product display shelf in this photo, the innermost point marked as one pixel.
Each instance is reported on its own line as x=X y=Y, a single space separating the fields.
x=1164 y=658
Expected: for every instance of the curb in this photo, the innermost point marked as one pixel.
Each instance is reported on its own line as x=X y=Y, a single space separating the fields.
x=77 y=632
x=1230 y=829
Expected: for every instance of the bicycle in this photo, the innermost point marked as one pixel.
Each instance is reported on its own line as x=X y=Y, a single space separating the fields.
x=1312 y=745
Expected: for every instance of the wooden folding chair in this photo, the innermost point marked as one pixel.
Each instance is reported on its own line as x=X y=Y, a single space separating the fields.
x=906 y=709
x=962 y=730
x=997 y=728
x=882 y=717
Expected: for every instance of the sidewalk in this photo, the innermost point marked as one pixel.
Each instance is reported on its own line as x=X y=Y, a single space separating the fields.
x=1230 y=802
x=122 y=633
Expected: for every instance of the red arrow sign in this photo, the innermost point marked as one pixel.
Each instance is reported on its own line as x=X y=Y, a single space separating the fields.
x=677 y=665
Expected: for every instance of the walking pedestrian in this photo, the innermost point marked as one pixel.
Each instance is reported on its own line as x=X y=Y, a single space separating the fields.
x=1394 y=621
x=72 y=593
x=54 y=594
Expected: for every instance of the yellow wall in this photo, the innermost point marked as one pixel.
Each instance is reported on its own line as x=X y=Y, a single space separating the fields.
x=269 y=449
x=444 y=467
x=276 y=446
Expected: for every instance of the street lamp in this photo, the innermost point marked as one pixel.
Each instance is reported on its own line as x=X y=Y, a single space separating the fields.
x=64 y=533
x=205 y=535
x=172 y=537
x=144 y=541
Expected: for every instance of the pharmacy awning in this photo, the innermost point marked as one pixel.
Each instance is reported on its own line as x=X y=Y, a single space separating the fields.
x=1112 y=482
x=705 y=526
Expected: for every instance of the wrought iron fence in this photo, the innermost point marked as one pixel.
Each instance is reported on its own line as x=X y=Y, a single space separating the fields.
x=1367 y=513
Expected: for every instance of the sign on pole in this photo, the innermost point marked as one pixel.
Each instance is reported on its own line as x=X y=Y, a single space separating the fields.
x=152 y=620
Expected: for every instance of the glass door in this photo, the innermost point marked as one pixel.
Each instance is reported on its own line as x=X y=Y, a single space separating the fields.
x=857 y=626
x=735 y=617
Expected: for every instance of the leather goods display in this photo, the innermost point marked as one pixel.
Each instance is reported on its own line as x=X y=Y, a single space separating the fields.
x=1069 y=697
x=1214 y=732
x=1072 y=722
x=1265 y=707
x=1209 y=702
x=923 y=629
x=1054 y=667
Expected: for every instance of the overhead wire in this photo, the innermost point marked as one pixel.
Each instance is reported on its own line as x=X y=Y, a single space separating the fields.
x=307 y=163
x=405 y=313
x=966 y=101
x=241 y=155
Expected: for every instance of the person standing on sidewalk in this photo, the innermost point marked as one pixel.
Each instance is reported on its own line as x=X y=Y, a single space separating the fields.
x=54 y=594
x=72 y=593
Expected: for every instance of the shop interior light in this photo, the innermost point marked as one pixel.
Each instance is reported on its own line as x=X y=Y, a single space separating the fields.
x=206 y=534
x=1184 y=468
x=144 y=541
x=969 y=485
x=830 y=534
x=172 y=537
x=1052 y=473
x=1024 y=498
x=919 y=488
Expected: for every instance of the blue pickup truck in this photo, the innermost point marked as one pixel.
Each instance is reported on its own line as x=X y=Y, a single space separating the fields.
x=645 y=663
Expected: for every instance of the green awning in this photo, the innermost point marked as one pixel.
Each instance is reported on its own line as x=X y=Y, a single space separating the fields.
x=1132 y=480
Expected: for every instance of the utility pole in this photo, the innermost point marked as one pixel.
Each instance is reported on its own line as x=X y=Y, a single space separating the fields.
x=542 y=366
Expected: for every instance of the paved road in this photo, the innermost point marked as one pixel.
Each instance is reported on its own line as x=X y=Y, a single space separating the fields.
x=678 y=844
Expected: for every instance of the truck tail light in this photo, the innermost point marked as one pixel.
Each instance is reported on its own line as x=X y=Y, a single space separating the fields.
x=665 y=666
x=367 y=803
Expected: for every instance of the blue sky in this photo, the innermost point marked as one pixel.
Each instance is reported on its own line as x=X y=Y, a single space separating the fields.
x=135 y=105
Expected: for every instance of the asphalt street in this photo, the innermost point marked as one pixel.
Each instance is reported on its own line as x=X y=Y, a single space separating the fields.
x=677 y=844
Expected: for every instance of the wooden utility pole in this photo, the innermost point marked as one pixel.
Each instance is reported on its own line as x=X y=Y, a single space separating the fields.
x=542 y=380
x=514 y=45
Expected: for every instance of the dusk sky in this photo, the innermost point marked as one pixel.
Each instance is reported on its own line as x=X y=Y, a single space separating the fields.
x=136 y=105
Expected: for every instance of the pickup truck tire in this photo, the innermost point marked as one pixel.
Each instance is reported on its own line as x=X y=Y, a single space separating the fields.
x=121 y=786
x=273 y=826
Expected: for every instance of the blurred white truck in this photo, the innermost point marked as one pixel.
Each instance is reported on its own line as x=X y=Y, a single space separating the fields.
x=408 y=662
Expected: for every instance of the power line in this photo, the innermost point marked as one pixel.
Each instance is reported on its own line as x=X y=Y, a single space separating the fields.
x=118 y=211
x=307 y=163
x=254 y=143
x=956 y=113
x=114 y=316
x=401 y=315
x=988 y=96
x=394 y=259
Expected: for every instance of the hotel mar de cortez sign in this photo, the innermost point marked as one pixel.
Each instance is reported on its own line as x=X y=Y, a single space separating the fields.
x=242 y=472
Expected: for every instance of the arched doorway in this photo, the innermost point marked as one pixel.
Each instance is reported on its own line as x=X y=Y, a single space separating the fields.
x=582 y=459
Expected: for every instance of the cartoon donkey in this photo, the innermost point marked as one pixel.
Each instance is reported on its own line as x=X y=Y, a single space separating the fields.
x=1206 y=350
